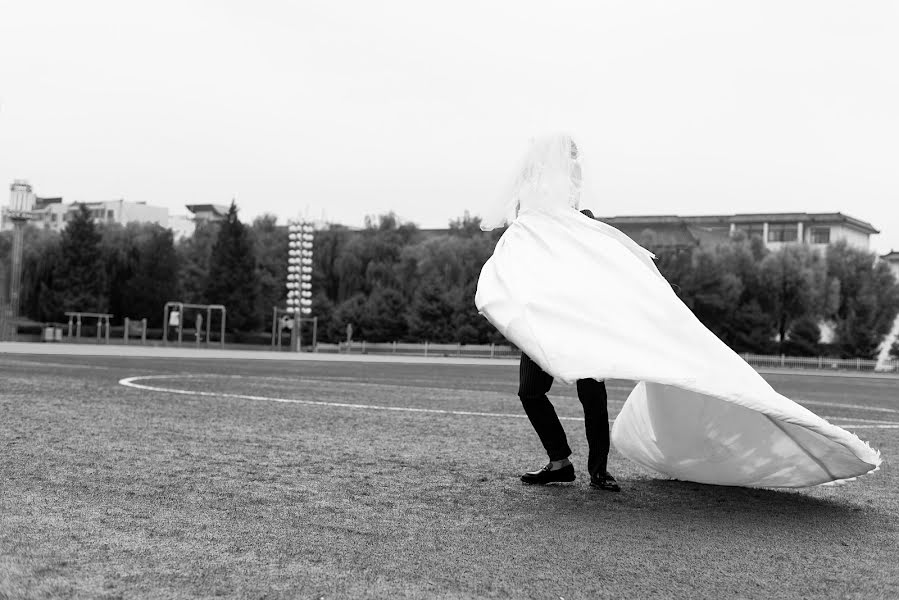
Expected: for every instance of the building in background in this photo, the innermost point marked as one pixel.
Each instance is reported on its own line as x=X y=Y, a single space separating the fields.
x=122 y=212
x=775 y=229
x=182 y=226
x=21 y=199
x=51 y=213
x=892 y=258
x=205 y=213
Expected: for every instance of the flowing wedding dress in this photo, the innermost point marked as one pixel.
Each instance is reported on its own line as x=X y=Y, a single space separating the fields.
x=583 y=300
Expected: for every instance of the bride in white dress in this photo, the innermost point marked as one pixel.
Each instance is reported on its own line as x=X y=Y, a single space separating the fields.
x=583 y=300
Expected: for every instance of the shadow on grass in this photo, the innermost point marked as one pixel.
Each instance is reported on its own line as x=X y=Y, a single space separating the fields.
x=668 y=505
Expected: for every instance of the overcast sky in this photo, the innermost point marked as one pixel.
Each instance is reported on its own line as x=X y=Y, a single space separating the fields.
x=355 y=108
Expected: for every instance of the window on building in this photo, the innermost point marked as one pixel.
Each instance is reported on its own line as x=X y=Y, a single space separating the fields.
x=752 y=229
x=819 y=235
x=779 y=232
x=110 y=215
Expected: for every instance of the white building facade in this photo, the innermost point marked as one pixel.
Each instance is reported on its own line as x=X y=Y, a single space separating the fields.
x=775 y=229
x=117 y=211
x=51 y=213
x=892 y=259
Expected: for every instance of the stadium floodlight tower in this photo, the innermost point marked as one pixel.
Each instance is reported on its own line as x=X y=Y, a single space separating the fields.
x=19 y=211
x=301 y=234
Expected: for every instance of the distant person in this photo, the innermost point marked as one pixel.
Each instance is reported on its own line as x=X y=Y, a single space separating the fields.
x=174 y=323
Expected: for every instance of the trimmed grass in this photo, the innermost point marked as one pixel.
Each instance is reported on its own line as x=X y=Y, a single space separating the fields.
x=110 y=492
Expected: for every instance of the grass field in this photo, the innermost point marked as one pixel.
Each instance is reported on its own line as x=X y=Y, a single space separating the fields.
x=268 y=485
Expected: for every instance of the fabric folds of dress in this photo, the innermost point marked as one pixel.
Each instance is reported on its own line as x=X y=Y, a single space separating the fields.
x=585 y=301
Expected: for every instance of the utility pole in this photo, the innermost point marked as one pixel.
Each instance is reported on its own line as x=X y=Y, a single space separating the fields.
x=21 y=205
x=4 y=306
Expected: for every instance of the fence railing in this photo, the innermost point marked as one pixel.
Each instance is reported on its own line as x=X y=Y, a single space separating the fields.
x=815 y=363
x=423 y=349
x=506 y=351
x=819 y=363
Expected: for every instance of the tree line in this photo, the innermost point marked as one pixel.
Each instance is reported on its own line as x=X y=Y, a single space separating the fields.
x=394 y=282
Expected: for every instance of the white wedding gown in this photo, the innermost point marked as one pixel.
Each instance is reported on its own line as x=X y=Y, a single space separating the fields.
x=585 y=301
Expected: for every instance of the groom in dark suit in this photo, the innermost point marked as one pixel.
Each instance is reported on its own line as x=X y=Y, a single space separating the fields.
x=533 y=384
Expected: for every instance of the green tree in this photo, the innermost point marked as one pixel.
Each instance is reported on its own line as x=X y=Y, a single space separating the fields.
x=323 y=310
x=79 y=281
x=232 y=274
x=118 y=248
x=711 y=291
x=328 y=246
x=271 y=245
x=466 y=226
x=722 y=285
x=40 y=258
x=894 y=350
x=384 y=316
x=371 y=257
x=431 y=313
x=154 y=273
x=448 y=267
x=803 y=337
x=194 y=255
x=867 y=300
x=470 y=326
x=349 y=312
x=795 y=278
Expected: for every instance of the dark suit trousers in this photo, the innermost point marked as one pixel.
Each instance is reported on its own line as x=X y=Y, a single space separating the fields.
x=534 y=383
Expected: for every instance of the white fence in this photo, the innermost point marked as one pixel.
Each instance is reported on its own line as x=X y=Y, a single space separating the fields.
x=819 y=363
x=425 y=349
x=506 y=351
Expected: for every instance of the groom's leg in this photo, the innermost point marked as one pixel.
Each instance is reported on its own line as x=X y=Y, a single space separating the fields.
x=533 y=383
x=593 y=396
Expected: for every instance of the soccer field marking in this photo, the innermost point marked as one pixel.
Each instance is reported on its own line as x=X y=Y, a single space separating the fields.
x=132 y=383
x=34 y=363
x=355 y=381
x=872 y=422
x=554 y=394
x=393 y=386
x=849 y=406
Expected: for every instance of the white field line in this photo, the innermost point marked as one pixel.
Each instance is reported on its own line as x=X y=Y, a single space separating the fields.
x=861 y=420
x=609 y=388
x=34 y=363
x=850 y=406
x=392 y=386
x=355 y=380
x=132 y=383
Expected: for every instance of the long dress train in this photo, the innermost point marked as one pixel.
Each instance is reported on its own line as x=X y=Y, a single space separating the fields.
x=585 y=301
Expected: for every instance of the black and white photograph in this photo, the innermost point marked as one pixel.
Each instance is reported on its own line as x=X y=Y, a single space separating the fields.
x=504 y=299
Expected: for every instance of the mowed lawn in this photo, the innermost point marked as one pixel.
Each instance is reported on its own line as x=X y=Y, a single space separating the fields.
x=113 y=492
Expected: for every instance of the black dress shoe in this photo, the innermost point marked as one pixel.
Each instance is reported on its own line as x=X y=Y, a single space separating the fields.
x=604 y=482
x=545 y=475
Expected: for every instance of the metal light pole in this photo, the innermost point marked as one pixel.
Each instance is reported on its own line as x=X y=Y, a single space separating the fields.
x=21 y=203
x=299 y=274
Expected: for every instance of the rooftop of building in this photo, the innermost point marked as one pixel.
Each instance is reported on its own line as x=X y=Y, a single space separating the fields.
x=737 y=219
x=40 y=203
x=218 y=209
